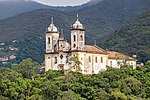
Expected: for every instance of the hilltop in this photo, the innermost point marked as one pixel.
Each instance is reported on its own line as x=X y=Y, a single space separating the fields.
x=16 y=7
x=108 y=16
x=133 y=38
x=99 y=19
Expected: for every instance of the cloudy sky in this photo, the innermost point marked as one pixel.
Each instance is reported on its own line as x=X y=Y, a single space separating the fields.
x=62 y=2
x=57 y=2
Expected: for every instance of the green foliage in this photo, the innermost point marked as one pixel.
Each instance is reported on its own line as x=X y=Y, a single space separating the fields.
x=27 y=68
x=76 y=63
x=117 y=96
x=114 y=84
x=69 y=95
x=132 y=39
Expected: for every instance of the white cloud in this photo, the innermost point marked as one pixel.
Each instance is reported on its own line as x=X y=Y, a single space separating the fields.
x=56 y=2
x=62 y=2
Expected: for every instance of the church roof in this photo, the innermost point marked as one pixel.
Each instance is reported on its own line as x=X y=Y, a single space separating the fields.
x=52 y=27
x=94 y=49
x=77 y=24
x=119 y=56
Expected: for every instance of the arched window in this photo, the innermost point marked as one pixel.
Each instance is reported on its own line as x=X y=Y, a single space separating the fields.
x=49 y=40
x=55 y=60
x=89 y=59
x=81 y=37
x=74 y=38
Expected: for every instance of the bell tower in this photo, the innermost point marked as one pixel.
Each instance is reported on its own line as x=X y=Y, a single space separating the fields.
x=52 y=36
x=77 y=35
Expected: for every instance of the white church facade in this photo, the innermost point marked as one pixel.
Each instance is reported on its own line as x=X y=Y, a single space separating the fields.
x=91 y=59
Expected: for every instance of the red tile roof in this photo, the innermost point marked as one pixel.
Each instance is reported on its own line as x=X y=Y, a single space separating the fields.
x=94 y=49
x=117 y=55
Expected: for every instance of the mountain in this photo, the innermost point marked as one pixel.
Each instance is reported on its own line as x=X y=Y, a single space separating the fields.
x=100 y=19
x=15 y=7
x=132 y=39
x=109 y=15
x=12 y=8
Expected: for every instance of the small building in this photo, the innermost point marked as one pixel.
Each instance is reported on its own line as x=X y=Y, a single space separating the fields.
x=4 y=58
x=116 y=60
x=13 y=48
x=12 y=57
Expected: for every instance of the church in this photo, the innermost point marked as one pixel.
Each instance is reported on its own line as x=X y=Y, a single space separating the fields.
x=77 y=56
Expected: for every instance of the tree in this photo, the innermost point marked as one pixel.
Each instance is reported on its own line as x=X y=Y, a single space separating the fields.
x=69 y=95
x=27 y=68
x=76 y=63
x=116 y=95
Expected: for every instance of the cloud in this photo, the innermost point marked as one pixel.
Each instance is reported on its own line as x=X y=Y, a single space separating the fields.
x=55 y=2
x=13 y=0
x=62 y=2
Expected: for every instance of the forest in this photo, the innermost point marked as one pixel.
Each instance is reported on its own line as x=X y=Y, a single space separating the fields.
x=27 y=81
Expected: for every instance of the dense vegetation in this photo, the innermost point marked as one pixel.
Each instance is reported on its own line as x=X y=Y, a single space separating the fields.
x=16 y=7
x=25 y=81
x=133 y=38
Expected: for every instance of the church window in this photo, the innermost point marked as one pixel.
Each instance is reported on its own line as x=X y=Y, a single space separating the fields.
x=61 y=56
x=101 y=59
x=89 y=59
x=81 y=37
x=49 y=40
x=74 y=45
x=111 y=63
x=49 y=57
x=55 y=48
x=96 y=59
x=55 y=60
x=74 y=38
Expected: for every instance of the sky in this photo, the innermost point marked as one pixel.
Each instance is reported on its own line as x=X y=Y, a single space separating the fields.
x=57 y=2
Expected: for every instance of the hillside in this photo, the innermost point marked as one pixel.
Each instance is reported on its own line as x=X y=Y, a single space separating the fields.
x=12 y=8
x=133 y=38
x=100 y=19
x=109 y=16
x=15 y=7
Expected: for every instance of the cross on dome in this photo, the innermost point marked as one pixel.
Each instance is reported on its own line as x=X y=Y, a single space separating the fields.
x=52 y=27
x=77 y=24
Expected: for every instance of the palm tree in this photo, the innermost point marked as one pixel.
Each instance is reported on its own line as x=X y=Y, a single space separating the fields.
x=76 y=63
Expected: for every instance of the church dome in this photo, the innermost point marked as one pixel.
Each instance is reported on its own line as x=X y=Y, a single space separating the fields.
x=52 y=27
x=77 y=24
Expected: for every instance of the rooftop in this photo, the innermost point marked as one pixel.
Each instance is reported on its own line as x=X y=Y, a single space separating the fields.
x=94 y=49
x=119 y=56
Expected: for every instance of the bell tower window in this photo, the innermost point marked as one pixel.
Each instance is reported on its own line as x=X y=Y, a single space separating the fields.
x=49 y=40
x=74 y=45
x=74 y=38
x=81 y=37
